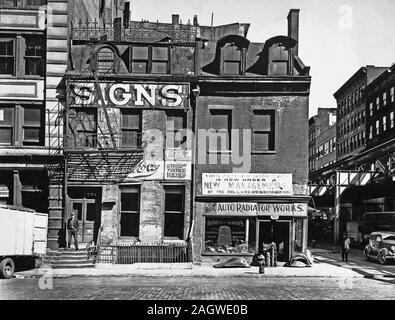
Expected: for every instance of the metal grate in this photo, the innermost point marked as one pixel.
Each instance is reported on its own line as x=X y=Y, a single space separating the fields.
x=146 y=253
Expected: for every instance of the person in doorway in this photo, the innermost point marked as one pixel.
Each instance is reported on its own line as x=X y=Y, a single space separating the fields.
x=345 y=247
x=72 y=227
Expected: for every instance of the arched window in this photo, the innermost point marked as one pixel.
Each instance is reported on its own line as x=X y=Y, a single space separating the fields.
x=106 y=60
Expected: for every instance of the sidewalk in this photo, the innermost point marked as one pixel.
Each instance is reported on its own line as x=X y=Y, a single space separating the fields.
x=319 y=269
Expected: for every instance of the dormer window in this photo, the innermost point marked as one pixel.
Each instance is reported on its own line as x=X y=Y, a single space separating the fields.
x=280 y=60
x=232 y=60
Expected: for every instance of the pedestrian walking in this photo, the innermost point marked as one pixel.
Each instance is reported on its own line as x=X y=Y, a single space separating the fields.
x=345 y=247
x=72 y=227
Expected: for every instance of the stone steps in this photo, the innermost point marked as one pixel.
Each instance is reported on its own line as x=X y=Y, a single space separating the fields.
x=69 y=258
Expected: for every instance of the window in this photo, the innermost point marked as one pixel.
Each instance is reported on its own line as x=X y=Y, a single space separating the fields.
x=175 y=123
x=106 y=61
x=226 y=236
x=22 y=3
x=384 y=123
x=7 y=56
x=371 y=109
x=326 y=148
x=392 y=93
x=130 y=212
x=130 y=128
x=392 y=119
x=34 y=56
x=86 y=128
x=28 y=120
x=174 y=212
x=221 y=123
x=280 y=58
x=6 y=126
x=232 y=60
x=378 y=103
x=263 y=130
x=159 y=60
x=150 y=59
x=384 y=98
x=32 y=129
x=377 y=127
x=370 y=132
x=22 y=56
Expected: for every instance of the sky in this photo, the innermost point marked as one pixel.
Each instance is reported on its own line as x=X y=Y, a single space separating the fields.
x=336 y=37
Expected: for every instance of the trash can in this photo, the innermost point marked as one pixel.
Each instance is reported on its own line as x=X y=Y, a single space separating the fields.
x=261 y=267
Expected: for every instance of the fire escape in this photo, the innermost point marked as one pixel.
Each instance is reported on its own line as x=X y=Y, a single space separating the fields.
x=99 y=155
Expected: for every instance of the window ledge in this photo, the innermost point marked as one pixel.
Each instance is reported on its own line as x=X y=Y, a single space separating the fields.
x=263 y=152
x=219 y=151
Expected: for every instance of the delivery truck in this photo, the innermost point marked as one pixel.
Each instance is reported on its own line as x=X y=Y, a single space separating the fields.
x=23 y=234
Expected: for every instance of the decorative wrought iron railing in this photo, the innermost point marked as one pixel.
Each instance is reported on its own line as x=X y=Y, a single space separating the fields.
x=148 y=32
x=146 y=252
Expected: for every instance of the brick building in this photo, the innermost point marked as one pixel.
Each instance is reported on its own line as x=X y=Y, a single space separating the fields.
x=33 y=59
x=322 y=140
x=252 y=146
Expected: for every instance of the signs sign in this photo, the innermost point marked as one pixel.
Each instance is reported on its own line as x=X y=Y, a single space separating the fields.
x=139 y=94
x=256 y=209
x=236 y=184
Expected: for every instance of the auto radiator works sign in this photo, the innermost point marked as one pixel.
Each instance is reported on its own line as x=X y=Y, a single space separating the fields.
x=255 y=209
x=236 y=184
x=129 y=94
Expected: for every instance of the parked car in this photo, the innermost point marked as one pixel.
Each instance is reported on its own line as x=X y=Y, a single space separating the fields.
x=381 y=246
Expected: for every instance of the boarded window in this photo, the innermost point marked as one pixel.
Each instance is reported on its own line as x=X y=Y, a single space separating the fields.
x=106 y=61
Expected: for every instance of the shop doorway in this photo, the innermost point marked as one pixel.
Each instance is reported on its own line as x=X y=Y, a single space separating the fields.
x=277 y=231
x=86 y=202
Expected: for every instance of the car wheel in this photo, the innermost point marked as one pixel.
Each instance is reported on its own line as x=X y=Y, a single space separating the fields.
x=7 y=268
x=382 y=258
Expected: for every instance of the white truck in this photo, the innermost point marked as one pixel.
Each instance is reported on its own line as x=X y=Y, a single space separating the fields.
x=23 y=234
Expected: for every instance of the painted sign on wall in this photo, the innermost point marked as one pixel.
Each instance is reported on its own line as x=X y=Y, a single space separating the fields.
x=133 y=94
x=178 y=170
x=256 y=209
x=236 y=184
x=147 y=170
x=4 y=192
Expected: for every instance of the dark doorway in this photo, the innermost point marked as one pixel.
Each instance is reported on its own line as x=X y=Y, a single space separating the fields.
x=87 y=203
x=277 y=231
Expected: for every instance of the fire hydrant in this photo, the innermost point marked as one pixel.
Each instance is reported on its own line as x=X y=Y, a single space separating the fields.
x=261 y=267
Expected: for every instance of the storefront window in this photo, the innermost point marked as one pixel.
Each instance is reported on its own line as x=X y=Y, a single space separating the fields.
x=230 y=235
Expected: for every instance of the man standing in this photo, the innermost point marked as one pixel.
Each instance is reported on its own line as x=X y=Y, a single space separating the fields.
x=345 y=247
x=72 y=227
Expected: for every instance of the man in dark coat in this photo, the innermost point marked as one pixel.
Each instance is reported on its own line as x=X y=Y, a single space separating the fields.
x=72 y=227
x=345 y=247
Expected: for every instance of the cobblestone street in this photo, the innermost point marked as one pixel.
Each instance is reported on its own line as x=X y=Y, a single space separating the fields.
x=132 y=288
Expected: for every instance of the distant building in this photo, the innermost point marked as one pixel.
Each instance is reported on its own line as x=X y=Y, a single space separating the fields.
x=351 y=116
x=322 y=140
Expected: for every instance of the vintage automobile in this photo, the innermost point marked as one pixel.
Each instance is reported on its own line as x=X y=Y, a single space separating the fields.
x=381 y=246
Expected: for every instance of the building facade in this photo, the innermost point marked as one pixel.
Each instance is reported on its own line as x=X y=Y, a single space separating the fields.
x=351 y=106
x=251 y=168
x=322 y=140
x=33 y=60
